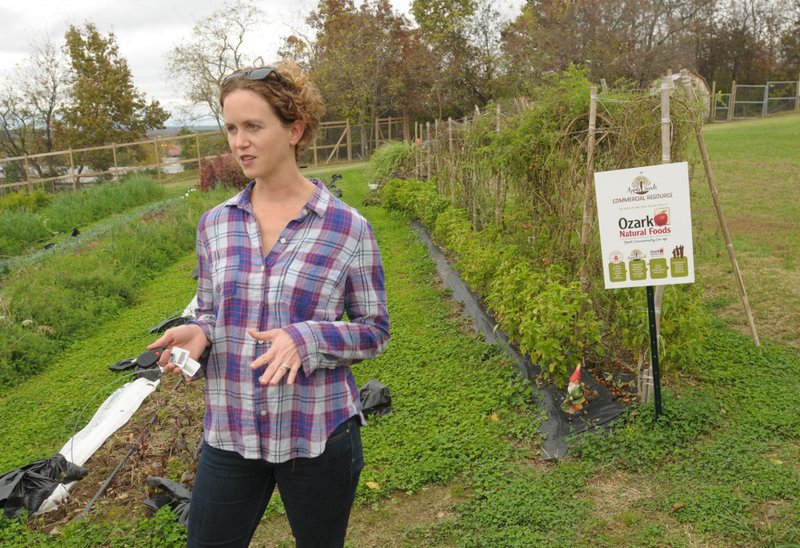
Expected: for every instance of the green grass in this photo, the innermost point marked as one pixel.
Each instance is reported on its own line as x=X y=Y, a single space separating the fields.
x=757 y=167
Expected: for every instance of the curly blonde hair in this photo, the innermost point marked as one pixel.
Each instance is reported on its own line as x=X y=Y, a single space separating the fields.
x=291 y=94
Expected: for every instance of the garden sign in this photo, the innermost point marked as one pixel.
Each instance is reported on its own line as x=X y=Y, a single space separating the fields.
x=645 y=225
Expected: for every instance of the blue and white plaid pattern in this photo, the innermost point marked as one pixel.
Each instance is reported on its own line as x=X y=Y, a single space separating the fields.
x=325 y=262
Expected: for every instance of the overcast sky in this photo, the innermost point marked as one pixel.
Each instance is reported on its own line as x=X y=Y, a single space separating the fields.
x=146 y=31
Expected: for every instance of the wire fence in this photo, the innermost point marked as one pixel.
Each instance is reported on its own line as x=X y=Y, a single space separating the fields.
x=748 y=101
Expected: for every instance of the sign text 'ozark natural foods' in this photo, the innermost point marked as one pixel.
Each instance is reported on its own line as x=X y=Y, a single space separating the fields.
x=645 y=225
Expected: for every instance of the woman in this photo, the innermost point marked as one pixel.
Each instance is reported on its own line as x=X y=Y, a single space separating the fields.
x=279 y=265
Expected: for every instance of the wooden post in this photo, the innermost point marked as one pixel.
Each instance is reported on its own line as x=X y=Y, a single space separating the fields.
x=765 y=106
x=72 y=167
x=377 y=132
x=158 y=159
x=28 y=174
x=450 y=162
x=712 y=185
x=588 y=204
x=450 y=134
x=732 y=101
x=436 y=159
x=314 y=150
x=797 y=98
x=197 y=144
x=116 y=167
x=406 y=128
x=416 y=150
x=390 y=129
x=713 y=114
x=349 y=140
x=604 y=84
x=428 y=148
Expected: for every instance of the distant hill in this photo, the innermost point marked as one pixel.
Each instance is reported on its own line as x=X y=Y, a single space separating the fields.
x=173 y=130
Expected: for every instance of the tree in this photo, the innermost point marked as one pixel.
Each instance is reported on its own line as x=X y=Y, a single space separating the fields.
x=214 y=51
x=29 y=101
x=357 y=60
x=103 y=106
x=614 y=39
x=445 y=27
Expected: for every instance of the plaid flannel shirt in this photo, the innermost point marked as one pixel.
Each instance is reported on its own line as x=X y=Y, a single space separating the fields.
x=325 y=262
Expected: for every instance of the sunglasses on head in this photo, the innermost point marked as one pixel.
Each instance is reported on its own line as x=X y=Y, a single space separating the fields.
x=260 y=74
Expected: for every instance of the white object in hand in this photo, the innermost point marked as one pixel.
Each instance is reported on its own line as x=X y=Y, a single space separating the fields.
x=187 y=365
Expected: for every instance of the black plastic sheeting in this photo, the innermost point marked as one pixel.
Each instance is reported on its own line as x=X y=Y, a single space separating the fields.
x=27 y=487
x=171 y=493
x=375 y=398
x=559 y=426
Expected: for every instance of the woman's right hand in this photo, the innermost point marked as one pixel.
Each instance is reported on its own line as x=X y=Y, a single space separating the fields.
x=188 y=337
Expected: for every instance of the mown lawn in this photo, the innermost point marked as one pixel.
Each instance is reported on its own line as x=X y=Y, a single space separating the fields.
x=456 y=463
x=757 y=167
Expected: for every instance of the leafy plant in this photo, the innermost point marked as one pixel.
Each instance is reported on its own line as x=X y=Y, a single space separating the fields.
x=221 y=170
x=391 y=161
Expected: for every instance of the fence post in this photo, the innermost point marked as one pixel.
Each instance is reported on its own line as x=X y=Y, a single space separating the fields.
x=439 y=182
x=732 y=101
x=713 y=114
x=428 y=149
x=314 y=149
x=28 y=174
x=72 y=167
x=349 y=141
x=158 y=159
x=764 y=107
x=197 y=144
x=116 y=167
x=797 y=98
x=377 y=132
x=450 y=133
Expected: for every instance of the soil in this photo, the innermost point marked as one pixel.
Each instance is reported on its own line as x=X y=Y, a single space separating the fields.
x=165 y=448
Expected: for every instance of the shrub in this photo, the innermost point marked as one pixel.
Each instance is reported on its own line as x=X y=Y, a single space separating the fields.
x=221 y=170
x=391 y=161
x=29 y=201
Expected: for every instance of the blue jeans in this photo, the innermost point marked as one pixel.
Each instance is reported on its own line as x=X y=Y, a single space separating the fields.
x=231 y=493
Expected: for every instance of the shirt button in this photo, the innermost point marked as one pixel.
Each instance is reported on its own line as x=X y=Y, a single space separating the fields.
x=264 y=413
x=304 y=212
x=259 y=341
x=283 y=240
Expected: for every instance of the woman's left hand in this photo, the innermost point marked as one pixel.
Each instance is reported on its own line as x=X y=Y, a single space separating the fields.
x=281 y=358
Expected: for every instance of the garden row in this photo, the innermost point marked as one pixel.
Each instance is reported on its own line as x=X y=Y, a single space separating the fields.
x=45 y=306
x=506 y=199
x=32 y=218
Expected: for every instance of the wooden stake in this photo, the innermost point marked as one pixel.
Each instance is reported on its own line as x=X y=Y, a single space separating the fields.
x=349 y=140
x=712 y=115
x=28 y=174
x=116 y=167
x=72 y=167
x=428 y=148
x=712 y=185
x=197 y=144
x=732 y=101
x=588 y=202
x=158 y=159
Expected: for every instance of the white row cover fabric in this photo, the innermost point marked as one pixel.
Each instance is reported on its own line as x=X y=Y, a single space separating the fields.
x=117 y=410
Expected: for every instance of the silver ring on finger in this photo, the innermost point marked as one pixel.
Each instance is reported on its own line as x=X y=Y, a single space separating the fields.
x=285 y=366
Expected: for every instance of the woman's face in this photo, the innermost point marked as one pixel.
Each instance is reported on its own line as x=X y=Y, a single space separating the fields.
x=258 y=139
